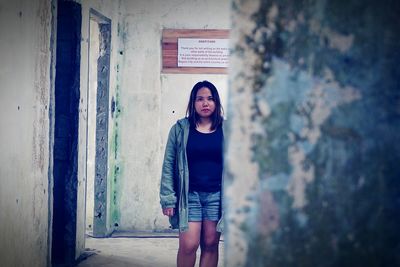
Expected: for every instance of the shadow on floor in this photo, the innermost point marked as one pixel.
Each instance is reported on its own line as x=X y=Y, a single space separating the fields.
x=134 y=249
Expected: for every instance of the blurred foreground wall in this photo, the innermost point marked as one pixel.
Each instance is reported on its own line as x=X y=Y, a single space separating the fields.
x=314 y=144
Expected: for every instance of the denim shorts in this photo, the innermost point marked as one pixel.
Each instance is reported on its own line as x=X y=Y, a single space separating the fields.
x=204 y=206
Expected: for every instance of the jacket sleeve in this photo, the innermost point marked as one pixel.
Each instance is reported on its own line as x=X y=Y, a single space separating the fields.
x=168 y=196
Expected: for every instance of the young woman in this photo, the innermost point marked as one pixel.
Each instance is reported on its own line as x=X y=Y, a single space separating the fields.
x=191 y=181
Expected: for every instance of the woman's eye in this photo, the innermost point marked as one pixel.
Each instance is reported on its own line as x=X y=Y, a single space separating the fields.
x=200 y=99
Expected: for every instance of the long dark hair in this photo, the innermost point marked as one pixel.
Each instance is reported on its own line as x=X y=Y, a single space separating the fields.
x=216 y=117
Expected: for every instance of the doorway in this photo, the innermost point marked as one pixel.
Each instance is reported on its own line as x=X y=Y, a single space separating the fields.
x=67 y=219
x=97 y=124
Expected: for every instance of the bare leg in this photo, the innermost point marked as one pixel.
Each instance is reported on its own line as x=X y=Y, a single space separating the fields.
x=188 y=244
x=209 y=244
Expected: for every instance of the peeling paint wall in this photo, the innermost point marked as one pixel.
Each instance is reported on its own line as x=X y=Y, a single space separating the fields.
x=150 y=102
x=313 y=145
x=25 y=91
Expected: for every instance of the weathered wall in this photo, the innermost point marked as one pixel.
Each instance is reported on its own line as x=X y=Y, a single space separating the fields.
x=150 y=102
x=25 y=28
x=313 y=148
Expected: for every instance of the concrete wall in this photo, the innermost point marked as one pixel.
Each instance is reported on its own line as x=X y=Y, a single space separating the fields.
x=150 y=102
x=313 y=148
x=25 y=47
x=143 y=105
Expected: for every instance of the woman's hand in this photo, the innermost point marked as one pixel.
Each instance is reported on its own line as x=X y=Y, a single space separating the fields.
x=168 y=212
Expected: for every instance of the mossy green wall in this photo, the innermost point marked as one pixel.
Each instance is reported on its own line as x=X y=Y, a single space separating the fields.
x=116 y=165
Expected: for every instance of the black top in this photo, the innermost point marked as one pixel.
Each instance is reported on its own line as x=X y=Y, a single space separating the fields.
x=204 y=153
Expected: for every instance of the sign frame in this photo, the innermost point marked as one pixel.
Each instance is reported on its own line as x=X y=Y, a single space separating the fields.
x=169 y=46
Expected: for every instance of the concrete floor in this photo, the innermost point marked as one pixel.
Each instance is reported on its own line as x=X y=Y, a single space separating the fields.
x=135 y=250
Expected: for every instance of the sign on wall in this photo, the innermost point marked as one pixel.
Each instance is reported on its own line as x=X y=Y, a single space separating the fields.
x=203 y=53
x=195 y=51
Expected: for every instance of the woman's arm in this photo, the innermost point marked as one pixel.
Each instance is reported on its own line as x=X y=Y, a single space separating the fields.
x=168 y=197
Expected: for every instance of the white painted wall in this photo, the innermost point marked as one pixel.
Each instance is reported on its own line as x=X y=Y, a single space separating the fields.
x=25 y=28
x=152 y=101
x=94 y=48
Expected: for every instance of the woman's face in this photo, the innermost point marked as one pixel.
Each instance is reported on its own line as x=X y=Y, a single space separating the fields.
x=204 y=103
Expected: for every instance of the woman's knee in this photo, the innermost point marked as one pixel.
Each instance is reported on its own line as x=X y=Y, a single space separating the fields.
x=189 y=247
x=210 y=243
x=189 y=241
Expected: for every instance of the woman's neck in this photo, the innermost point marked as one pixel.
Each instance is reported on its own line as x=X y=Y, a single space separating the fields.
x=204 y=125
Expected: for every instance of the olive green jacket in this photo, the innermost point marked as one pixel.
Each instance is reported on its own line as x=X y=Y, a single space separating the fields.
x=174 y=186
